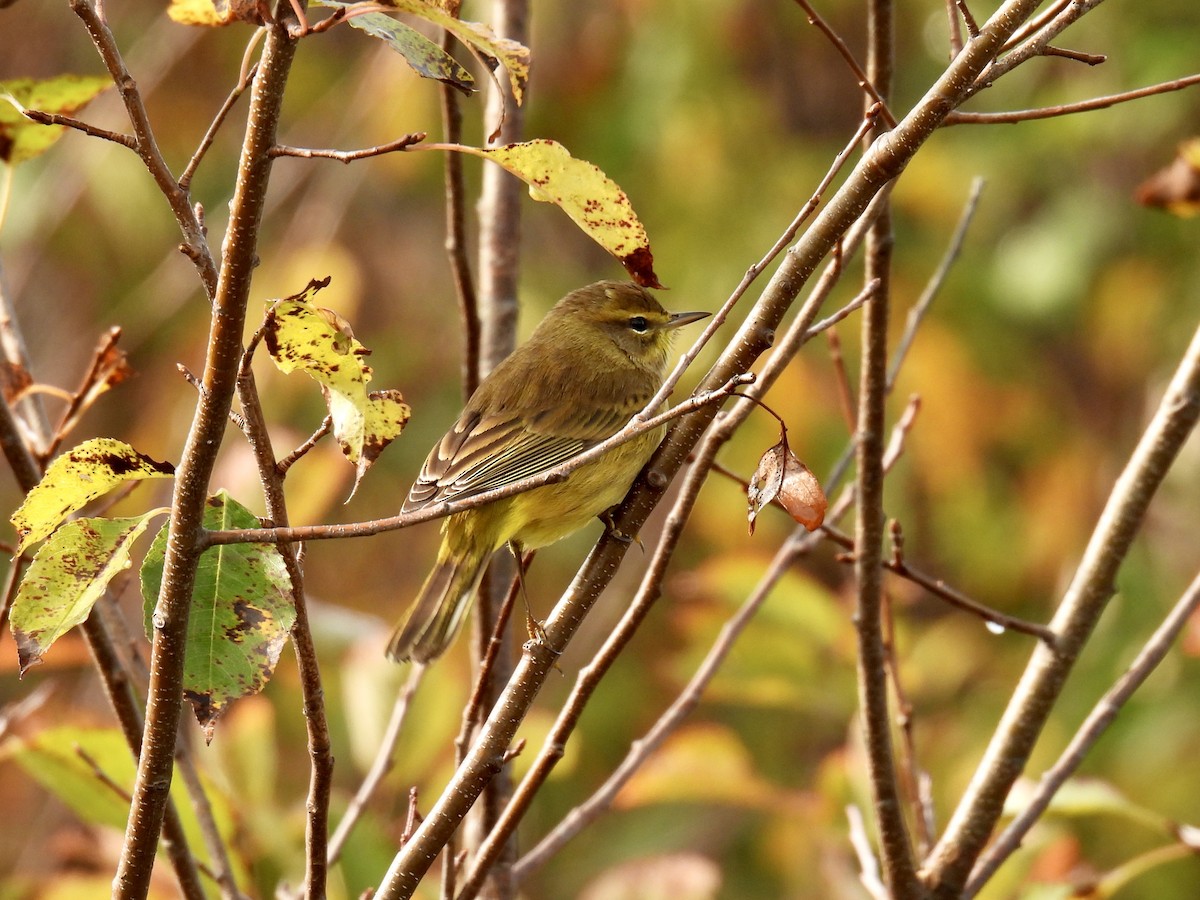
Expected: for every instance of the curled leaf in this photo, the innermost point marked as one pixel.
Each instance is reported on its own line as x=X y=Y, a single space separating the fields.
x=320 y=343
x=514 y=57
x=781 y=478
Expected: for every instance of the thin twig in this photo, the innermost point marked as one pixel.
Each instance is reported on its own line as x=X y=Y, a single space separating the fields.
x=45 y=118
x=380 y=765
x=982 y=804
x=551 y=476
x=863 y=81
x=1102 y=715
x=247 y=76
x=1066 y=109
x=954 y=597
x=1091 y=59
x=349 y=156
x=968 y=19
x=671 y=719
x=301 y=451
x=99 y=367
x=934 y=285
x=845 y=393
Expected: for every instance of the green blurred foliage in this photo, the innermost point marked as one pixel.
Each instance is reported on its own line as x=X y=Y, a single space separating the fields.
x=1053 y=337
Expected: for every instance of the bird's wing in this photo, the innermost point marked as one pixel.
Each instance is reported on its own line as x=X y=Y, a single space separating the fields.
x=481 y=453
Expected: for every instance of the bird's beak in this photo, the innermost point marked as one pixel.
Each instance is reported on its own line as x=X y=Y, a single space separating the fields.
x=685 y=318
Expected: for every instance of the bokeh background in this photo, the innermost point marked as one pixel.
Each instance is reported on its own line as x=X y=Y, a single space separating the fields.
x=1053 y=337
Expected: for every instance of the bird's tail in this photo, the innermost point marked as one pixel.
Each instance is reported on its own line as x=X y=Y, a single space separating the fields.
x=440 y=608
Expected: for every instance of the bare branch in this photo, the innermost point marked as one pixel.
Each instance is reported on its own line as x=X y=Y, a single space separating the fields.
x=1066 y=109
x=983 y=802
x=863 y=81
x=380 y=766
x=185 y=180
x=45 y=118
x=1102 y=715
x=934 y=286
x=349 y=156
x=951 y=595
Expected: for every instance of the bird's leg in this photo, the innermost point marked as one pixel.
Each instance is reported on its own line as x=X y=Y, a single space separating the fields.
x=610 y=526
x=532 y=626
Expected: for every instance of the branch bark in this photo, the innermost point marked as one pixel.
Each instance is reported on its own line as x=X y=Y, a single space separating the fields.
x=165 y=701
x=885 y=160
x=1085 y=599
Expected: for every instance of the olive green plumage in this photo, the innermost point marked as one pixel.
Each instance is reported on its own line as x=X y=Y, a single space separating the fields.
x=593 y=362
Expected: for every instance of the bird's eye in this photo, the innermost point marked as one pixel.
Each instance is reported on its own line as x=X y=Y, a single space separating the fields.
x=639 y=324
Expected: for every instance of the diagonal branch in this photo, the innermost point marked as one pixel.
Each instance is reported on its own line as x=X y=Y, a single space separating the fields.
x=1093 y=727
x=885 y=160
x=231 y=294
x=971 y=825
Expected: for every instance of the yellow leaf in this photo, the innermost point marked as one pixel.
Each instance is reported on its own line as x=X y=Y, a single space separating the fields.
x=593 y=200
x=21 y=138
x=319 y=343
x=77 y=478
x=216 y=13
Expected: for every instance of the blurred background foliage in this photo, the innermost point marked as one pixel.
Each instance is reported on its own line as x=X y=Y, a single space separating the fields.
x=1053 y=337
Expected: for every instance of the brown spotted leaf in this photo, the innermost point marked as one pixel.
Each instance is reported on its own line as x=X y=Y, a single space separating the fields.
x=241 y=613
x=781 y=478
x=386 y=416
x=68 y=575
x=594 y=201
x=76 y=478
x=319 y=342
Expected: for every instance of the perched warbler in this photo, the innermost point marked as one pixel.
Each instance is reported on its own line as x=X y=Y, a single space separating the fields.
x=593 y=362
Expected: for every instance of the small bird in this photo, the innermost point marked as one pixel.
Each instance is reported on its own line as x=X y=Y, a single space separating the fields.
x=594 y=361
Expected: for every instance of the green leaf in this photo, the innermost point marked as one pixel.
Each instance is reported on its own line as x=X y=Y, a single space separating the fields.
x=68 y=575
x=593 y=200
x=21 y=138
x=510 y=54
x=241 y=613
x=52 y=757
x=316 y=341
x=68 y=760
x=77 y=478
x=425 y=57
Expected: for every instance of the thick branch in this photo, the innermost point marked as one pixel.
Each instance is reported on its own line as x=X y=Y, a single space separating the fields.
x=885 y=159
x=151 y=789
